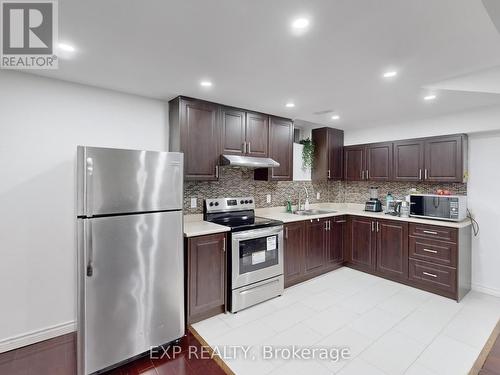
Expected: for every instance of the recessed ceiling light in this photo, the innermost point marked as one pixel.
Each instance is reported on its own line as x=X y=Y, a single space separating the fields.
x=335 y=117
x=430 y=97
x=66 y=47
x=206 y=84
x=290 y=105
x=390 y=74
x=300 y=23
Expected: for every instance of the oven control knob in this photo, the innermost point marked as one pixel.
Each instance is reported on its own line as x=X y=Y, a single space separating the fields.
x=216 y=203
x=242 y=201
x=211 y=204
x=250 y=201
x=246 y=202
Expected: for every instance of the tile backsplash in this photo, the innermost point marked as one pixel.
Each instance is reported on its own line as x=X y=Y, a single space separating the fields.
x=237 y=182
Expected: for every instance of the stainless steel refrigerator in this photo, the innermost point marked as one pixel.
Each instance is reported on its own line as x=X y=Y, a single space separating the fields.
x=130 y=253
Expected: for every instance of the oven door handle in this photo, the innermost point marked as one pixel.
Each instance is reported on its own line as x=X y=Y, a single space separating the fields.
x=256 y=233
x=246 y=291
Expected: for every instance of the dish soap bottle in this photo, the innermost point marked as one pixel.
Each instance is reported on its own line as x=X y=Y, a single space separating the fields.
x=388 y=198
x=289 y=205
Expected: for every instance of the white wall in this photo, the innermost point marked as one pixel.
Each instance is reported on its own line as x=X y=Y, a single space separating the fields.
x=483 y=127
x=41 y=123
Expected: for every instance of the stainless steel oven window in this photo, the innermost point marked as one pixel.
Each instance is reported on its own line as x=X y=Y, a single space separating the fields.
x=258 y=253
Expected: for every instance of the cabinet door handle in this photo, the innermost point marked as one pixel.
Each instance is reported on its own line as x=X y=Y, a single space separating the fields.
x=373 y=226
x=377 y=227
x=326 y=225
x=367 y=174
x=244 y=147
x=362 y=175
x=224 y=244
x=217 y=171
x=430 y=232
x=341 y=221
x=286 y=233
x=429 y=274
x=420 y=174
x=430 y=251
x=328 y=173
x=425 y=173
x=248 y=147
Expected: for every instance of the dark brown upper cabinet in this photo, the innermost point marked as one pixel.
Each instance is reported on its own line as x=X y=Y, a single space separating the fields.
x=257 y=133
x=194 y=130
x=436 y=159
x=354 y=163
x=409 y=160
x=328 y=154
x=233 y=131
x=280 y=149
x=444 y=159
x=204 y=130
x=378 y=158
x=244 y=133
x=368 y=162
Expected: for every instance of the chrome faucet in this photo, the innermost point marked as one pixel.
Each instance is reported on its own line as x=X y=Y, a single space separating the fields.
x=307 y=199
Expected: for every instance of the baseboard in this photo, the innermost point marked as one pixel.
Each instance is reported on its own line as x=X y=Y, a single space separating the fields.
x=29 y=338
x=486 y=290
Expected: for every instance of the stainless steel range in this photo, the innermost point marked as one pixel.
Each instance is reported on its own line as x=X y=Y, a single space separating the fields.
x=255 y=254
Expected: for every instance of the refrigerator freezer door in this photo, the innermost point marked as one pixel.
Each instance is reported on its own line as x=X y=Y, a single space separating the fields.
x=131 y=286
x=112 y=181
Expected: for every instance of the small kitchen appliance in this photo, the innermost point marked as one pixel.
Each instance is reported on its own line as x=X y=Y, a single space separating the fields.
x=255 y=251
x=374 y=204
x=394 y=207
x=439 y=207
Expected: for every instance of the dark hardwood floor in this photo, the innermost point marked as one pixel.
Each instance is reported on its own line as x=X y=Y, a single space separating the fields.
x=492 y=364
x=58 y=357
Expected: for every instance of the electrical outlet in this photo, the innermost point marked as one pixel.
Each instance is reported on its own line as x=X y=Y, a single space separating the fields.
x=194 y=202
x=268 y=198
x=318 y=195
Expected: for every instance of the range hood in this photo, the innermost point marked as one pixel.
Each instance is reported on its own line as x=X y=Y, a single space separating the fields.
x=248 y=161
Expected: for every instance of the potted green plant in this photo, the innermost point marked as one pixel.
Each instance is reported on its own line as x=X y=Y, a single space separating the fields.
x=307 y=153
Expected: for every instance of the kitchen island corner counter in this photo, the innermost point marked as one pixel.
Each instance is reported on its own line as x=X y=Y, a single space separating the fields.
x=194 y=226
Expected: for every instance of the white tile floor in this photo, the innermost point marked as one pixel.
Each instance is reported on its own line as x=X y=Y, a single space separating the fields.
x=389 y=328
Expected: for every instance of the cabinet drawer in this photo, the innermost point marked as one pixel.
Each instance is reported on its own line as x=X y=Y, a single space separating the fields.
x=433 y=251
x=434 y=231
x=433 y=276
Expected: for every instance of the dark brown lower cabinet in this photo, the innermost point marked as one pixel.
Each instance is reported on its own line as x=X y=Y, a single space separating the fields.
x=316 y=240
x=313 y=247
x=293 y=255
x=336 y=240
x=362 y=243
x=392 y=249
x=205 y=289
x=379 y=246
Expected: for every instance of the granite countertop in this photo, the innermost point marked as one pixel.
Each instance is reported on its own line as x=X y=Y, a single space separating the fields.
x=195 y=226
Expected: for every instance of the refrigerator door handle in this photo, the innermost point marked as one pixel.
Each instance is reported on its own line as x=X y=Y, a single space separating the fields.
x=88 y=248
x=90 y=187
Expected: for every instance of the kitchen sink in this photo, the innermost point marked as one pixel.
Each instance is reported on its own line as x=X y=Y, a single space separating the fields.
x=313 y=212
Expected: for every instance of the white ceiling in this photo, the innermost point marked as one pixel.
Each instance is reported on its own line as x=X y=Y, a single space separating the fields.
x=161 y=49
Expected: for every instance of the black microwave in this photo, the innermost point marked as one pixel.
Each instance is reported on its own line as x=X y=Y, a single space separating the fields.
x=440 y=207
